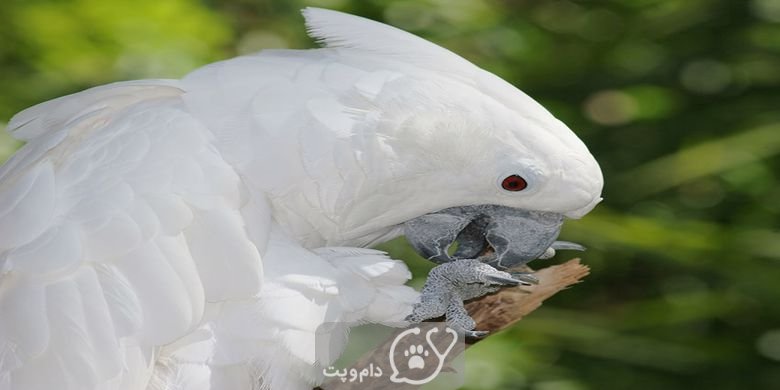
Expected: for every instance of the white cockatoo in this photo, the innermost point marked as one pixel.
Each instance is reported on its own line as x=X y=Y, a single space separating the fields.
x=194 y=233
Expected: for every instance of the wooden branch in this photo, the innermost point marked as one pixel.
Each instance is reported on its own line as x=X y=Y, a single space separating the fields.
x=492 y=313
x=499 y=311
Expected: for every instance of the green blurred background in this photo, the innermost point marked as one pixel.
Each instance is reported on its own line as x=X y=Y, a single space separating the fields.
x=678 y=100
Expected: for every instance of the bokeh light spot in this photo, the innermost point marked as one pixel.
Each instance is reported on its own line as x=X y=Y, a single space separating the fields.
x=701 y=193
x=611 y=107
x=705 y=76
x=766 y=9
x=768 y=344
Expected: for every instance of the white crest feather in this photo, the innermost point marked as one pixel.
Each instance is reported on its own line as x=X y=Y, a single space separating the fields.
x=339 y=30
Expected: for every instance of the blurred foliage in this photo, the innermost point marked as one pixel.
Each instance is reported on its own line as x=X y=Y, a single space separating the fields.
x=678 y=100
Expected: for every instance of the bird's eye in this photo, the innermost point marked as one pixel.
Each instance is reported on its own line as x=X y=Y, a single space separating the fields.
x=514 y=183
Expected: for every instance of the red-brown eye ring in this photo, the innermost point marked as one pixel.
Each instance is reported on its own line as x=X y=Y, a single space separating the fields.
x=514 y=183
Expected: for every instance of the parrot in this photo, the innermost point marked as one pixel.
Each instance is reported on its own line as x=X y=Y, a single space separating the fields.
x=194 y=233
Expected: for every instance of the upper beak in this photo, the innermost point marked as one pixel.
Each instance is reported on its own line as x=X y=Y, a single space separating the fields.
x=500 y=236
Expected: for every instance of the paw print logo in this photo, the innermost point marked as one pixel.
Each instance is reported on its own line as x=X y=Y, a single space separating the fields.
x=416 y=354
x=416 y=361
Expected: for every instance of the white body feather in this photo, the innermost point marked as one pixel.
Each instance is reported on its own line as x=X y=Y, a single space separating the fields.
x=189 y=234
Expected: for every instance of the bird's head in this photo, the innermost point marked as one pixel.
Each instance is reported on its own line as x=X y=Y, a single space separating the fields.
x=444 y=151
x=460 y=164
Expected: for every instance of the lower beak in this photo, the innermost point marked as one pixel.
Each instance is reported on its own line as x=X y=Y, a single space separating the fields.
x=500 y=236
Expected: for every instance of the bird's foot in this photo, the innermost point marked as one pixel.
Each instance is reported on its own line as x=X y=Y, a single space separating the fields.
x=450 y=284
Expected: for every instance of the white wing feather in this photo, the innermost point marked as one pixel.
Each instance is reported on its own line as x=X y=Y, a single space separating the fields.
x=97 y=231
x=273 y=336
x=134 y=221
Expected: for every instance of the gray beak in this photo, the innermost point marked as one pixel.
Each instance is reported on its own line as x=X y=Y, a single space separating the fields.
x=500 y=236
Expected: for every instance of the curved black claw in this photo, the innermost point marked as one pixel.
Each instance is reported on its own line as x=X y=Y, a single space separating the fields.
x=469 y=334
x=566 y=245
x=561 y=245
x=504 y=281
x=475 y=334
x=525 y=278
